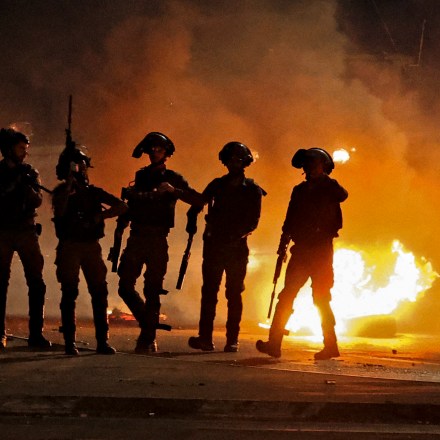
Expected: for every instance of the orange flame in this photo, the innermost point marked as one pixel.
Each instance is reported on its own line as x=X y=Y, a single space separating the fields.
x=356 y=294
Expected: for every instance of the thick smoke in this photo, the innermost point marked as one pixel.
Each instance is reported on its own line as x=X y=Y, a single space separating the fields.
x=275 y=75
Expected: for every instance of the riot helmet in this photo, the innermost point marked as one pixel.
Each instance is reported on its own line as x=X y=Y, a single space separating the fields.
x=69 y=157
x=153 y=139
x=301 y=157
x=236 y=149
x=9 y=138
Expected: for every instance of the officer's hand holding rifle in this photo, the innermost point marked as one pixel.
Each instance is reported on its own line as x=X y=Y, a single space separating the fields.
x=282 y=256
x=31 y=179
x=191 y=228
x=127 y=193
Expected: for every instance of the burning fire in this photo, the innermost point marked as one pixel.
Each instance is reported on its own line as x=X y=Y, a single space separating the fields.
x=117 y=316
x=356 y=294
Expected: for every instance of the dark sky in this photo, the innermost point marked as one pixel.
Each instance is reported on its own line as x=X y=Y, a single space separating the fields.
x=404 y=34
x=276 y=75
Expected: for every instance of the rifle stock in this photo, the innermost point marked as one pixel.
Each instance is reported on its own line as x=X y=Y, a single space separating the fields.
x=184 y=263
x=280 y=260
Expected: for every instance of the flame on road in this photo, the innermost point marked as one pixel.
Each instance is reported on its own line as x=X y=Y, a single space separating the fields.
x=356 y=292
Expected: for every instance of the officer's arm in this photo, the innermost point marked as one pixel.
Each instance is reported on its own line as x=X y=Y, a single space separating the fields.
x=193 y=212
x=291 y=213
x=343 y=194
x=34 y=197
x=116 y=206
x=180 y=189
x=30 y=181
x=338 y=193
x=252 y=214
x=133 y=193
x=191 y=196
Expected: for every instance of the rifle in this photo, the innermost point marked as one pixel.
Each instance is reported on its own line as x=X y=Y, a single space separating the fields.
x=63 y=166
x=37 y=185
x=280 y=260
x=185 y=261
x=115 y=250
x=30 y=180
x=70 y=144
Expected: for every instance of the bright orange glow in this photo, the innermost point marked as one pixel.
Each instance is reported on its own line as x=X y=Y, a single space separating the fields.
x=341 y=155
x=253 y=262
x=356 y=293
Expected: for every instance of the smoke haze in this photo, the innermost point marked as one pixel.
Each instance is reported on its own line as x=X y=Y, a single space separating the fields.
x=275 y=75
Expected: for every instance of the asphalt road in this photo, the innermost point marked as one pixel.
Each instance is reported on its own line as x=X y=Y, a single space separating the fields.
x=56 y=428
x=378 y=388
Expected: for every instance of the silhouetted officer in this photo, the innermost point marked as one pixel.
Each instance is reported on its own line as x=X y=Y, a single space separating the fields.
x=313 y=220
x=20 y=196
x=79 y=223
x=234 y=205
x=151 y=201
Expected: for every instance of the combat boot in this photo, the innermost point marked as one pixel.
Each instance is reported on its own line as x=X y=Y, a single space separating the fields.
x=101 y=329
x=198 y=343
x=277 y=331
x=143 y=347
x=327 y=353
x=330 y=349
x=68 y=327
x=36 y=317
x=146 y=342
x=71 y=349
x=231 y=347
x=39 y=341
x=104 y=348
x=273 y=350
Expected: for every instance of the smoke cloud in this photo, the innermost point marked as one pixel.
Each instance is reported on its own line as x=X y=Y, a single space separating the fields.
x=275 y=75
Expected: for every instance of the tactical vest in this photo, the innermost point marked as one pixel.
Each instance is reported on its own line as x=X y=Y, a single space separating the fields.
x=79 y=221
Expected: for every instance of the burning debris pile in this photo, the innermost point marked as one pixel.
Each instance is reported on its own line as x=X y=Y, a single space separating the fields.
x=118 y=317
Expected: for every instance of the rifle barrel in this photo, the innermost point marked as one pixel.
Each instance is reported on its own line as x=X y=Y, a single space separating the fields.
x=69 y=117
x=280 y=260
x=272 y=297
x=44 y=188
x=184 y=263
